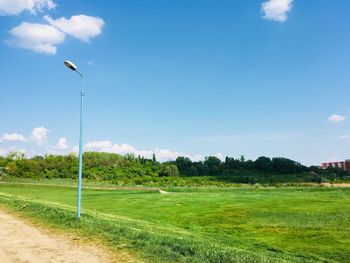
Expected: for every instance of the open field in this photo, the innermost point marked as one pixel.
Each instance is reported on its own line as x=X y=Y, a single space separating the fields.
x=309 y=224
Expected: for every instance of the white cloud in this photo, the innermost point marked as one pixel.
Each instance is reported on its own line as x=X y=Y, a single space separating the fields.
x=15 y=7
x=81 y=27
x=13 y=137
x=161 y=154
x=125 y=148
x=24 y=151
x=276 y=10
x=36 y=37
x=75 y=149
x=197 y=157
x=220 y=156
x=39 y=134
x=62 y=144
x=164 y=155
x=336 y=118
x=6 y=151
x=96 y=145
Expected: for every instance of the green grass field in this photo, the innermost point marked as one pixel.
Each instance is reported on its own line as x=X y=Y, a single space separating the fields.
x=306 y=224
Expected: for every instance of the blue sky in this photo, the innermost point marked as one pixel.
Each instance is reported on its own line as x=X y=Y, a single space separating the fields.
x=195 y=78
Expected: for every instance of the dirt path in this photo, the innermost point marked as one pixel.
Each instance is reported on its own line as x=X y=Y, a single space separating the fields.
x=22 y=242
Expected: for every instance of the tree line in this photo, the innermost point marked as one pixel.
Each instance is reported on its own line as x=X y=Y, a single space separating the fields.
x=138 y=170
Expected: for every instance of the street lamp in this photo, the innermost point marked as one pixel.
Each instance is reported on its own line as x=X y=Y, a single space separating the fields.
x=71 y=66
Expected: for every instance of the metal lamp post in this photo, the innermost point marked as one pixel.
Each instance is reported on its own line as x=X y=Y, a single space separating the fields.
x=71 y=66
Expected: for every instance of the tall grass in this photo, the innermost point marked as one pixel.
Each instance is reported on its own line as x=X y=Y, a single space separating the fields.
x=152 y=243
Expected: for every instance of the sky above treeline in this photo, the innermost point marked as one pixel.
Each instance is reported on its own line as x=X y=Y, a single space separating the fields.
x=192 y=78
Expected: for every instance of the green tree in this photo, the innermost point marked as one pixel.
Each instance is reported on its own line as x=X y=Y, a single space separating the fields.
x=264 y=164
x=183 y=164
x=214 y=165
x=284 y=165
x=168 y=170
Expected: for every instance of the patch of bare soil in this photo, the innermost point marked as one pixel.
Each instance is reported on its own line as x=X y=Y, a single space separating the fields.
x=22 y=242
x=336 y=185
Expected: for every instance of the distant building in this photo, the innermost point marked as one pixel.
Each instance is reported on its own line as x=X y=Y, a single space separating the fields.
x=344 y=165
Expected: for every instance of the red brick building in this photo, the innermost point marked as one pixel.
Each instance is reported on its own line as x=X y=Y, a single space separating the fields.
x=344 y=165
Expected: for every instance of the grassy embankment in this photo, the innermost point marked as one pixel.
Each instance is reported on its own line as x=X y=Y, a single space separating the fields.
x=238 y=225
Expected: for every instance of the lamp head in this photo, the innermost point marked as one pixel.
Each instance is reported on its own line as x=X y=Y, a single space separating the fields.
x=70 y=65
